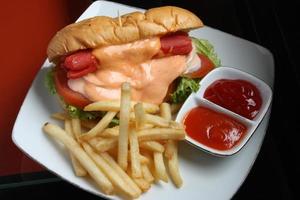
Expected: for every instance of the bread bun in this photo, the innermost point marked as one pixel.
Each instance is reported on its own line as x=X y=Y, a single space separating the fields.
x=102 y=31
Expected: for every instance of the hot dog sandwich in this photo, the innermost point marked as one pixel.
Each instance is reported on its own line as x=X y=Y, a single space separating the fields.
x=152 y=51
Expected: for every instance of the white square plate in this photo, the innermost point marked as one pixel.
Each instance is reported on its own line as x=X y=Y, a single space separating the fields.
x=205 y=176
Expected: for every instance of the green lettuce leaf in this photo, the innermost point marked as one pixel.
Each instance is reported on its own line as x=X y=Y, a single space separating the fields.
x=206 y=48
x=49 y=81
x=114 y=122
x=185 y=87
x=75 y=112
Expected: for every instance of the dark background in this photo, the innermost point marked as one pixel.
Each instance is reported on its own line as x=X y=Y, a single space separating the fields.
x=273 y=25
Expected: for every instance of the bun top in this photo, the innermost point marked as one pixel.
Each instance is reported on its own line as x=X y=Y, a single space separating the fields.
x=102 y=31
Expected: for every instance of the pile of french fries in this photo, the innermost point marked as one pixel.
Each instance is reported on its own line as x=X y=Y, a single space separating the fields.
x=128 y=158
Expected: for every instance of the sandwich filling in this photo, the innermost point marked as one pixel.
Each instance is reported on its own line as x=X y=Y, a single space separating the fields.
x=135 y=63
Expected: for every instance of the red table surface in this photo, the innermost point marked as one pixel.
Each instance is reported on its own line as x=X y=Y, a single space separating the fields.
x=26 y=28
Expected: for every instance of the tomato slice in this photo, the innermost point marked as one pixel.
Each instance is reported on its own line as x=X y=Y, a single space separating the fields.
x=176 y=44
x=70 y=97
x=206 y=66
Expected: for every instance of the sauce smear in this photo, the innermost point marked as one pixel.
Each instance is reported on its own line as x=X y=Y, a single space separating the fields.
x=213 y=129
x=133 y=63
x=239 y=96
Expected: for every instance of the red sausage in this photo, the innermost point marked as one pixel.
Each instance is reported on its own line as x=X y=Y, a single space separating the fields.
x=176 y=44
x=79 y=64
x=79 y=60
x=72 y=74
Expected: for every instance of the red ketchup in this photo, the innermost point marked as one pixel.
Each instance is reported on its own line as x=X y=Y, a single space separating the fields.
x=213 y=129
x=239 y=96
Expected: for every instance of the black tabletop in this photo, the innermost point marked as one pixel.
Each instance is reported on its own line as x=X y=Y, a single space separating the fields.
x=270 y=24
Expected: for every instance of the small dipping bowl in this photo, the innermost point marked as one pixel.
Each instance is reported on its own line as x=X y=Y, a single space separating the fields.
x=197 y=99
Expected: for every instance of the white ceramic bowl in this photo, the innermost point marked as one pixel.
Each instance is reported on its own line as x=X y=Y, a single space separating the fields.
x=197 y=99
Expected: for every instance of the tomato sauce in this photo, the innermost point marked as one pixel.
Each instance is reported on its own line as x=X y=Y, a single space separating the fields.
x=213 y=129
x=239 y=96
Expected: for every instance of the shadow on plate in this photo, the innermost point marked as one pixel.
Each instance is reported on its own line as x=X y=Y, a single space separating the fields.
x=190 y=154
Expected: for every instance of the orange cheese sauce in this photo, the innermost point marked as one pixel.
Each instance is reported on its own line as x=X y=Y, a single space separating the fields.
x=133 y=63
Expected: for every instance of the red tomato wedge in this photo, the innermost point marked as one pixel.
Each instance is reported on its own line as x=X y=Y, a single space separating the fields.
x=176 y=44
x=80 y=63
x=70 y=97
x=206 y=66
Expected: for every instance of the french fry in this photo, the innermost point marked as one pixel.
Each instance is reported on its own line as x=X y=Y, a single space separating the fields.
x=152 y=146
x=60 y=116
x=68 y=127
x=110 y=172
x=131 y=116
x=134 y=154
x=121 y=172
x=85 y=123
x=103 y=144
x=114 y=131
x=147 y=126
x=165 y=112
x=110 y=132
x=76 y=127
x=157 y=120
x=94 y=141
x=102 y=124
x=173 y=168
x=140 y=117
x=147 y=174
x=151 y=166
x=147 y=155
x=78 y=169
x=160 y=168
x=103 y=106
x=143 y=159
x=59 y=134
x=124 y=125
x=148 y=107
x=115 y=106
x=161 y=134
x=176 y=125
x=130 y=155
x=170 y=149
x=141 y=182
